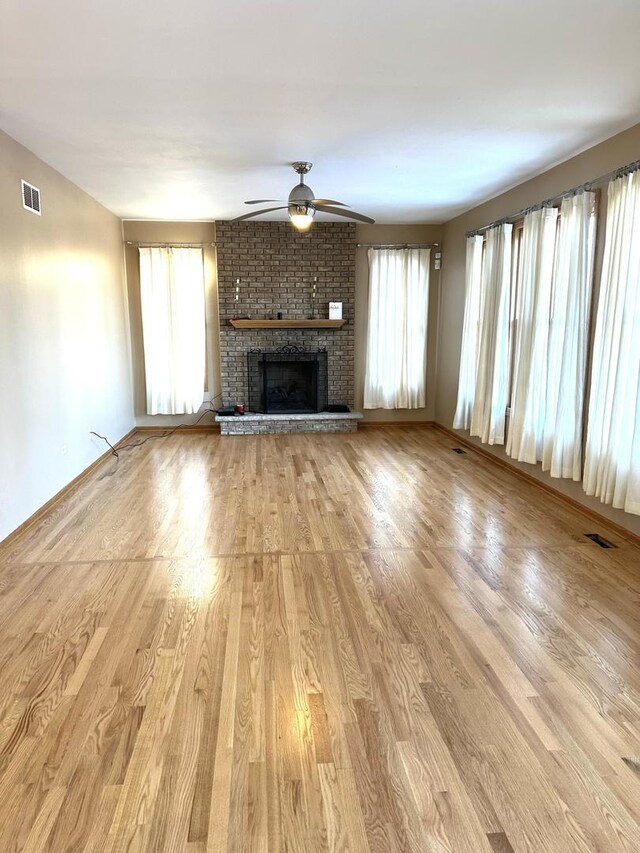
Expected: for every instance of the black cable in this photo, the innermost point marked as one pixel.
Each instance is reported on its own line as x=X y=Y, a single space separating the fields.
x=114 y=452
x=133 y=444
x=165 y=434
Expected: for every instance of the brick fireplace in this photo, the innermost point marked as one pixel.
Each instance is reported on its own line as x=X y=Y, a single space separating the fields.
x=267 y=269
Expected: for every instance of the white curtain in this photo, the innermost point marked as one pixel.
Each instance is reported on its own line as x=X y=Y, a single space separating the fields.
x=612 y=460
x=531 y=344
x=569 y=337
x=492 y=377
x=173 y=324
x=397 y=328
x=470 y=333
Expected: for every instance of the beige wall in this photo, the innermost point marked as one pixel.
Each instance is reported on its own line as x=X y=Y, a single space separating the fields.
x=171 y=232
x=615 y=152
x=395 y=234
x=64 y=350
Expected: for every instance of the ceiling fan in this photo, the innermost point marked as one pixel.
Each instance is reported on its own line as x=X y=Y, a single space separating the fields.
x=302 y=204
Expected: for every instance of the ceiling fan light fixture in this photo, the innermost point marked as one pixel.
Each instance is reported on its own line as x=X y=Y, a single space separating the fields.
x=301 y=216
x=301 y=221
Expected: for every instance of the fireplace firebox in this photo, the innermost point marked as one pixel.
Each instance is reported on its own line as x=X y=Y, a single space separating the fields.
x=289 y=380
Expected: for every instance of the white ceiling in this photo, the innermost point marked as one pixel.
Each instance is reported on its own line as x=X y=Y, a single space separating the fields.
x=412 y=111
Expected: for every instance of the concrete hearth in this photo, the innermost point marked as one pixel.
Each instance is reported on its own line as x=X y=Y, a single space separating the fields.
x=256 y=424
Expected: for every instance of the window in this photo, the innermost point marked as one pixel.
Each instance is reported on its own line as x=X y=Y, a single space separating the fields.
x=568 y=340
x=173 y=325
x=538 y=276
x=471 y=333
x=612 y=463
x=530 y=340
x=492 y=373
x=397 y=328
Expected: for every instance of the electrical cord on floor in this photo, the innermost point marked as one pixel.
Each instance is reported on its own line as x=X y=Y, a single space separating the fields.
x=133 y=444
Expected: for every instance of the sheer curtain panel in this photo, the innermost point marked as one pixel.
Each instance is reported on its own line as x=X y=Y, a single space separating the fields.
x=470 y=331
x=531 y=344
x=397 y=328
x=612 y=458
x=492 y=375
x=569 y=337
x=173 y=325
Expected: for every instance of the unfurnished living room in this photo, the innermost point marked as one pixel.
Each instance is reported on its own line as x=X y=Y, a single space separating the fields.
x=320 y=429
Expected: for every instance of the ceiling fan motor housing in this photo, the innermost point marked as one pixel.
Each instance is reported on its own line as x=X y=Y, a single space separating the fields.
x=301 y=194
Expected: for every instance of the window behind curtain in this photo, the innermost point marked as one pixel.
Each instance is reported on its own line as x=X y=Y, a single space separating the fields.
x=397 y=328
x=470 y=350
x=530 y=341
x=544 y=349
x=173 y=325
x=612 y=463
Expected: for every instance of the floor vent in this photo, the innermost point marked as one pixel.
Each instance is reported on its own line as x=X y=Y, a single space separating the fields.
x=600 y=540
x=632 y=764
x=31 y=198
x=458 y=450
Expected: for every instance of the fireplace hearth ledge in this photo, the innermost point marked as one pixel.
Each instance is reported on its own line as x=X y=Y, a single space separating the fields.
x=258 y=424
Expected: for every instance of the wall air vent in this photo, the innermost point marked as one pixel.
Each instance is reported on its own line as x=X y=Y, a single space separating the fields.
x=31 y=198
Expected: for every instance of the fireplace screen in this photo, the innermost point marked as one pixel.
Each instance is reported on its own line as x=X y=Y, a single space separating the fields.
x=287 y=381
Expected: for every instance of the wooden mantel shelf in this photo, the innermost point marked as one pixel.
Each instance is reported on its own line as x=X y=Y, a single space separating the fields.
x=287 y=324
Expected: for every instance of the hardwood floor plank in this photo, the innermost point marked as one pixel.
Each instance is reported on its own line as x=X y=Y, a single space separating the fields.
x=219 y=811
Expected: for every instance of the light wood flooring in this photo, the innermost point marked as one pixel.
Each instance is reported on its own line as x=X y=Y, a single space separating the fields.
x=317 y=643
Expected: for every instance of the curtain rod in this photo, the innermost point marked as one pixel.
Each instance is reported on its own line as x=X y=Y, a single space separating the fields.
x=396 y=245
x=193 y=245
x=586 y=187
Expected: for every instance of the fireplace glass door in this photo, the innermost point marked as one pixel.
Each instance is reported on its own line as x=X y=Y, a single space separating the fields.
x=290 y=387
x=290 y=382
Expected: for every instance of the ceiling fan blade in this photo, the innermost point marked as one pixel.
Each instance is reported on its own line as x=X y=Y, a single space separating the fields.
x=329 y=201
x=258 y=212
x=349 y=214
x=264 y=200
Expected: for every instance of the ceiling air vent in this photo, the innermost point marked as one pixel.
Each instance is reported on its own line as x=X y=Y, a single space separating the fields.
x=31 y=198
